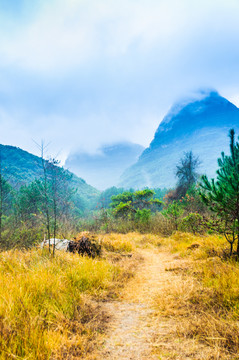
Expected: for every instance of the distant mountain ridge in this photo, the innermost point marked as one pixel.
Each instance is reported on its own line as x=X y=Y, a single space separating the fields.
x=20 y=167
x=201 y=126
x=103 y=169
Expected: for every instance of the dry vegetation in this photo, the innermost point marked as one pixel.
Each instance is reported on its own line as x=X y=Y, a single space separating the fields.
x=50 y=308
x=119 y=243
x=204 y=296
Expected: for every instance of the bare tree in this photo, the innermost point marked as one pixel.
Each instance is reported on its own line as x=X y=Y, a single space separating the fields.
x=54 y=174
x=42 y=147
x=186 y=172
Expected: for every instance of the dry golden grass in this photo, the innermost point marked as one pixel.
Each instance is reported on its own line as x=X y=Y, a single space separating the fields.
x=119 y=243
x=204 y=295
x=126 y=243
x=198 y=246
x=47 y=306
x=50 y=308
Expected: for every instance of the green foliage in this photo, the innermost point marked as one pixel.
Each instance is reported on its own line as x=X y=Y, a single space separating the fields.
x=192 y=223
x=106 y=195
x=222 y=195
x=143 y=216
x=127 y=204
x=124 y=197
x=159 y=193
x=173 y=212
x=21 y=168
x=23 y=211
x=124 y=210
x=30 y=200
x=6 y=197
x=143 y=195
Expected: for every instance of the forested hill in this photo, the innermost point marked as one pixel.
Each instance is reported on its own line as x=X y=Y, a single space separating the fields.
x=20 y=167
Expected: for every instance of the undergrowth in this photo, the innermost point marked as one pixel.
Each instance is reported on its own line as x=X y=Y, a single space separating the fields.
x=48 y=307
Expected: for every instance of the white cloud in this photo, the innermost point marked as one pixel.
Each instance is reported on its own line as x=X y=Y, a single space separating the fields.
x=67 y=33
x=94 y=72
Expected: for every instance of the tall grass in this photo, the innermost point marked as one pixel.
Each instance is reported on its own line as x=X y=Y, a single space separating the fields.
x=129 y=242
x=46 y=308
x=204 y=294
x=198 y=247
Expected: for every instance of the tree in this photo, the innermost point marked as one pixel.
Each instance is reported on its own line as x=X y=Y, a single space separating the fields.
x=222 y=195
x=186 y=172
x=57 y=190
x=106 y=195
x=45 y=191
x=30 y=201
x=5 y=192
x=128 y=204
x=173 y=212
x=192 y=223
x=60 y=193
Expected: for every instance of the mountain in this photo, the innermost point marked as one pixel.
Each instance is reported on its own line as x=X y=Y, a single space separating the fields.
x=103 y=169
x=20 y=167
x=201 y=126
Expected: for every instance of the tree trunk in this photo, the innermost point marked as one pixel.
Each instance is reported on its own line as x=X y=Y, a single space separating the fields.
x=46 y=197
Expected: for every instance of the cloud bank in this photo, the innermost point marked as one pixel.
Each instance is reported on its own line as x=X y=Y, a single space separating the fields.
x=83 y=73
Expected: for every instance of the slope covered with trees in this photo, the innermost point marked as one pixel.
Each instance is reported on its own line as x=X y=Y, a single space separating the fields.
x=21 y=168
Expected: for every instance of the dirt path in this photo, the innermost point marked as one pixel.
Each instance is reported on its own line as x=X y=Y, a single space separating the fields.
x=132 y=329
x=134 y=332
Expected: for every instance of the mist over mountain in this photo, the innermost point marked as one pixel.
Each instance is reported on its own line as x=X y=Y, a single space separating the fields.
x=103 y=169
x=201 y=126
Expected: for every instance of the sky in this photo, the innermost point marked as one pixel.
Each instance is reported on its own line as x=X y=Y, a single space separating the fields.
x=80 y=74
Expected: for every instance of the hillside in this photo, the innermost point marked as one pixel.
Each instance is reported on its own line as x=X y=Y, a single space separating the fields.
x=20 y=168
x=201 y=126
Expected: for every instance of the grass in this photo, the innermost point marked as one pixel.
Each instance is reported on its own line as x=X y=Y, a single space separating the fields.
x=119 y=243
x=48 y=306
x=200 y=247
x=128 y=243
x=205 y=294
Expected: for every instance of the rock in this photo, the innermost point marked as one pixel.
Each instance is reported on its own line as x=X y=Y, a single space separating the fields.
x=61 y=244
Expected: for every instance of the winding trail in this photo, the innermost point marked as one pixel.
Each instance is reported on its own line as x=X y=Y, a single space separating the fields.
x=135 y=332
x=132 y=329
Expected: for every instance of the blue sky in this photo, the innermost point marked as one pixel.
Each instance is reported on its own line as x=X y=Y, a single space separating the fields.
x=83 y=73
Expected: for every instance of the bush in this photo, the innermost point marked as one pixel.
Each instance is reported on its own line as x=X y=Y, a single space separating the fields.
x=192 y=223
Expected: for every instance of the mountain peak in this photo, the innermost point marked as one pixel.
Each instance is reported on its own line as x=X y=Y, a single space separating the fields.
x=198 y=102
x=201 y=124
x=207 y=109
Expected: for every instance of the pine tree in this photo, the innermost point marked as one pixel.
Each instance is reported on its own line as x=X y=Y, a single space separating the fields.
x=222 y=195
